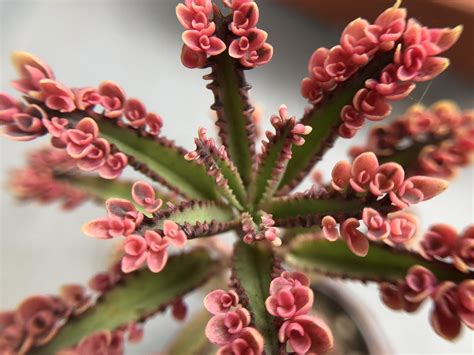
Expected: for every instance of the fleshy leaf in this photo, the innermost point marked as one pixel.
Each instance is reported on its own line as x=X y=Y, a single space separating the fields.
x=163 y=158
x=198 y=218
x=324 y=118
x=136 y=298
x=252 y=273
x=102 y=189
x=382 y=263
x=191 y=338
x=276 y=153
x=304 y=209
x=220 y=167
x=234 y=112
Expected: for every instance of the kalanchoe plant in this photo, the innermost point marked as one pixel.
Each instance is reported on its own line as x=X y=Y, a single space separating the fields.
x=354 y=226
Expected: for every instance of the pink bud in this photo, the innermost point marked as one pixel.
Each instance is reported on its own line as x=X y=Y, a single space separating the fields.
x=444 y=318
x=439 y=241
x=417 y=189
x=173 y=233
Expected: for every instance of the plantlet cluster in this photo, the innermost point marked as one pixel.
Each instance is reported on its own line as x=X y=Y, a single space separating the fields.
x=354 y=226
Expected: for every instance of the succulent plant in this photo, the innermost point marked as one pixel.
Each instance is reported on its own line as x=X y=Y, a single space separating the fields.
x=356 y=226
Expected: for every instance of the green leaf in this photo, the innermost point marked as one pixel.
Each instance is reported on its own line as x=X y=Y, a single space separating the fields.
x=164 y=159
x=191 y=339
x=306 y=209
x=253 y=267
x=382 y=263
x=325 y=118
x=138 y=296
x=272 y=164
x=234 y=112
x=196 y=211
x=103 y=189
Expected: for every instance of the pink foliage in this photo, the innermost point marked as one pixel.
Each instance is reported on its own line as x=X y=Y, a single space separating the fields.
x=220 y=301
x=144 y=195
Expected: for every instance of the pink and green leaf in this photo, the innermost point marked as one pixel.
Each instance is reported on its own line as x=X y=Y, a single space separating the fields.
x=139 y=296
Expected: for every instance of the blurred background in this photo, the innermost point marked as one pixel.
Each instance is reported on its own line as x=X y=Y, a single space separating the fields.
x=137 y=44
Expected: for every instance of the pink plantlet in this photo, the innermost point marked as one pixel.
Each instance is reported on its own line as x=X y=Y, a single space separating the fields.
x=113 y=166
x=56 y=127
x=26 y=125
x=245 y=18
x=306 y=334
x=388 y=27
x=112 y=99
x=153 y=123
x=179 y=310
x=224 y=328
x=220 y=301
x=101 y=282
x=101 y=342
x=12 y=331
x=352 y=118
x=463 y=255
x=9 y=106
x=123 y=209
x=192 y=59
x=108 y=227
x=439 y=241
x=389 y=85
x=318 y=72
x=378 y=227
x=251 y=40
x=144 y=195
x=135 y=332
x=402 y=227
x=288 y=303
x=204 y=41
x=235 y=4
x=444 y=317
x=31 y=71
x=373 y=105
x=173 y=233
x=288 y=280
x=356 y=240
x=39 y=316
x=80 y=138
x=466 y=303
x=355 y=41
x=135 y=112
x=420 y=284
x=56 y=96
x=76 y=297
x=388 y=177
x=249 y=341
x=416 y=189
x=329 y=228
x=341 y=175
x=86 y=98
x=363 y=170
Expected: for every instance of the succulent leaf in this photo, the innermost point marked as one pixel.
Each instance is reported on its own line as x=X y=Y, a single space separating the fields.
x=306 y=210
x=325 y=118
x=382 y=263
x=234 y=112
x=167 y=161
x=198 y=218
x=136 y=298
x=253 y=267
